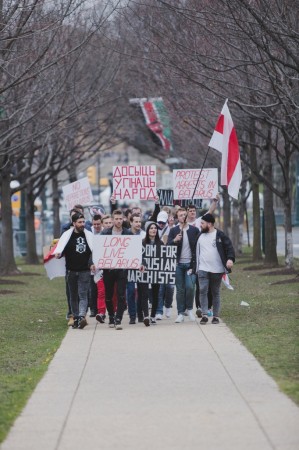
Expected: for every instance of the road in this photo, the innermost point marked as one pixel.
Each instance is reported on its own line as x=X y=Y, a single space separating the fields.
x=281 y=241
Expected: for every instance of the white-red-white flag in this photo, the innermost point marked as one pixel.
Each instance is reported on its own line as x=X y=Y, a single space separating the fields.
x=224 y=139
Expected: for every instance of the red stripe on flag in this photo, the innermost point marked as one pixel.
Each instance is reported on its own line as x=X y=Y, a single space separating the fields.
x=233 y=154
x=220 y=124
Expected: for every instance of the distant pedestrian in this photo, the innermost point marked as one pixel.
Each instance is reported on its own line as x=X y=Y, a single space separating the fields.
x=116 y=277
x=75 y=245
x=151 y=238
x=215 y=256
x=184 y=236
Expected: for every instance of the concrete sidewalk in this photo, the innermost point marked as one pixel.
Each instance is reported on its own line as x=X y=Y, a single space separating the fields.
x=169 y=386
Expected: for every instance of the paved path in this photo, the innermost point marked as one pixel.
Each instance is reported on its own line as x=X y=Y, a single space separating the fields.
x=170 y=386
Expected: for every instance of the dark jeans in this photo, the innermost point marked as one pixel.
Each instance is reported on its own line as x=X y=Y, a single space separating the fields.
x=78 y=283
x=166 y=292
x=131 y=300
x=197 y=296
x=144 y=293
x=212 y=280
x=118 y=277
x=185 y=286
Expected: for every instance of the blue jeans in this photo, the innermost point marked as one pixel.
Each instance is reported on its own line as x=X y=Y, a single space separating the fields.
x=165 y=297
x=185 y=287
x=213 y=281
x=78 y=283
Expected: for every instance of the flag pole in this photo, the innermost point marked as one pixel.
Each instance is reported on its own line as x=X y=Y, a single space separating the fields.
x=203 y=164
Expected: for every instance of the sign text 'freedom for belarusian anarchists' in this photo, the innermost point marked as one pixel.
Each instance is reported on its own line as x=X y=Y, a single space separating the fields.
x=160 y=263
x=79 y=192
x=134 y=182
x=185 y=181
x=117 y=251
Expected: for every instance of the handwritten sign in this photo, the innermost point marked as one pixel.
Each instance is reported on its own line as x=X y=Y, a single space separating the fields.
x=166 y=199
x=117 y=251
x=134 y=182
x=184 y=182
x=78 y=192
x=160 y=265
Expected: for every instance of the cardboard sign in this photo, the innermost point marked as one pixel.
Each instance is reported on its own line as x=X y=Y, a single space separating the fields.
x=160 y=265
x=117 y=251
x=78 y=192
x=166 y=199
x=134 y=182
x=185 y=180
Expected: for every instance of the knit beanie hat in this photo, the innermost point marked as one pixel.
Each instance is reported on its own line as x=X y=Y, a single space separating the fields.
x=208 y=218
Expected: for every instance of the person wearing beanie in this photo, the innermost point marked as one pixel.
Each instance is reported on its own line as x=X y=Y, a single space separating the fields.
x=215 y=256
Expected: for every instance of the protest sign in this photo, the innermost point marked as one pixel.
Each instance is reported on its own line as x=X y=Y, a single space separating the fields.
x=185 y=181
x=166 y=199
x=160 y=262
x=134 y=182
x=117 y=251
x=78 y=192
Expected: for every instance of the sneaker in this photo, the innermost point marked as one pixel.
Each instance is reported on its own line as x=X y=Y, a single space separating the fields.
x=118 y=325
x=153 y=321
x=111 y=322
x=191 y=315
x=168 y=313
x=215 y=320
x=146 y=321
x=159 y=317
x=75 y=324
x=132 y=321
x=199 y=313
x=180 y=318
x=204 y=320
x=82 y=322
x=101 y=318
x=70 y=321
x=185 y=313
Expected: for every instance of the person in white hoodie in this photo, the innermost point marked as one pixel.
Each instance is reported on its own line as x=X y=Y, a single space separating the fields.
x=75 y=245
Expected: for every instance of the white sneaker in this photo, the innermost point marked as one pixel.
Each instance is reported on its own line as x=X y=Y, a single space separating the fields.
x=179 y=319
x=191 y=315
x=159 y=317
x=168 y=313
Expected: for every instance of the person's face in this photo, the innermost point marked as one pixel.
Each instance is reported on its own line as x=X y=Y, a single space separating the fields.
x=171 y=220
x=118 y=221
x=204 y=226
x=152 y=231
x=79 y=225
x=136 y=224
x=192 y=214
x=161 y=225
x=136 y=211
x=107 y=223
x=97 y=225
x=182 y=216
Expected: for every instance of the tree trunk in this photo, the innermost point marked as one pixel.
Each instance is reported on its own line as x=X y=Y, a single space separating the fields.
x=55 y=199
x=31 y=257
x=269 y=216
x=236 y=228
x=8 y=264
x=256 y=248
x=289 y=253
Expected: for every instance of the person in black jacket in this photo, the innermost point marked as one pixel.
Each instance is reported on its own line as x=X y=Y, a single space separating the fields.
x=215 y=256
x=185 y=237
x=116 y=276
